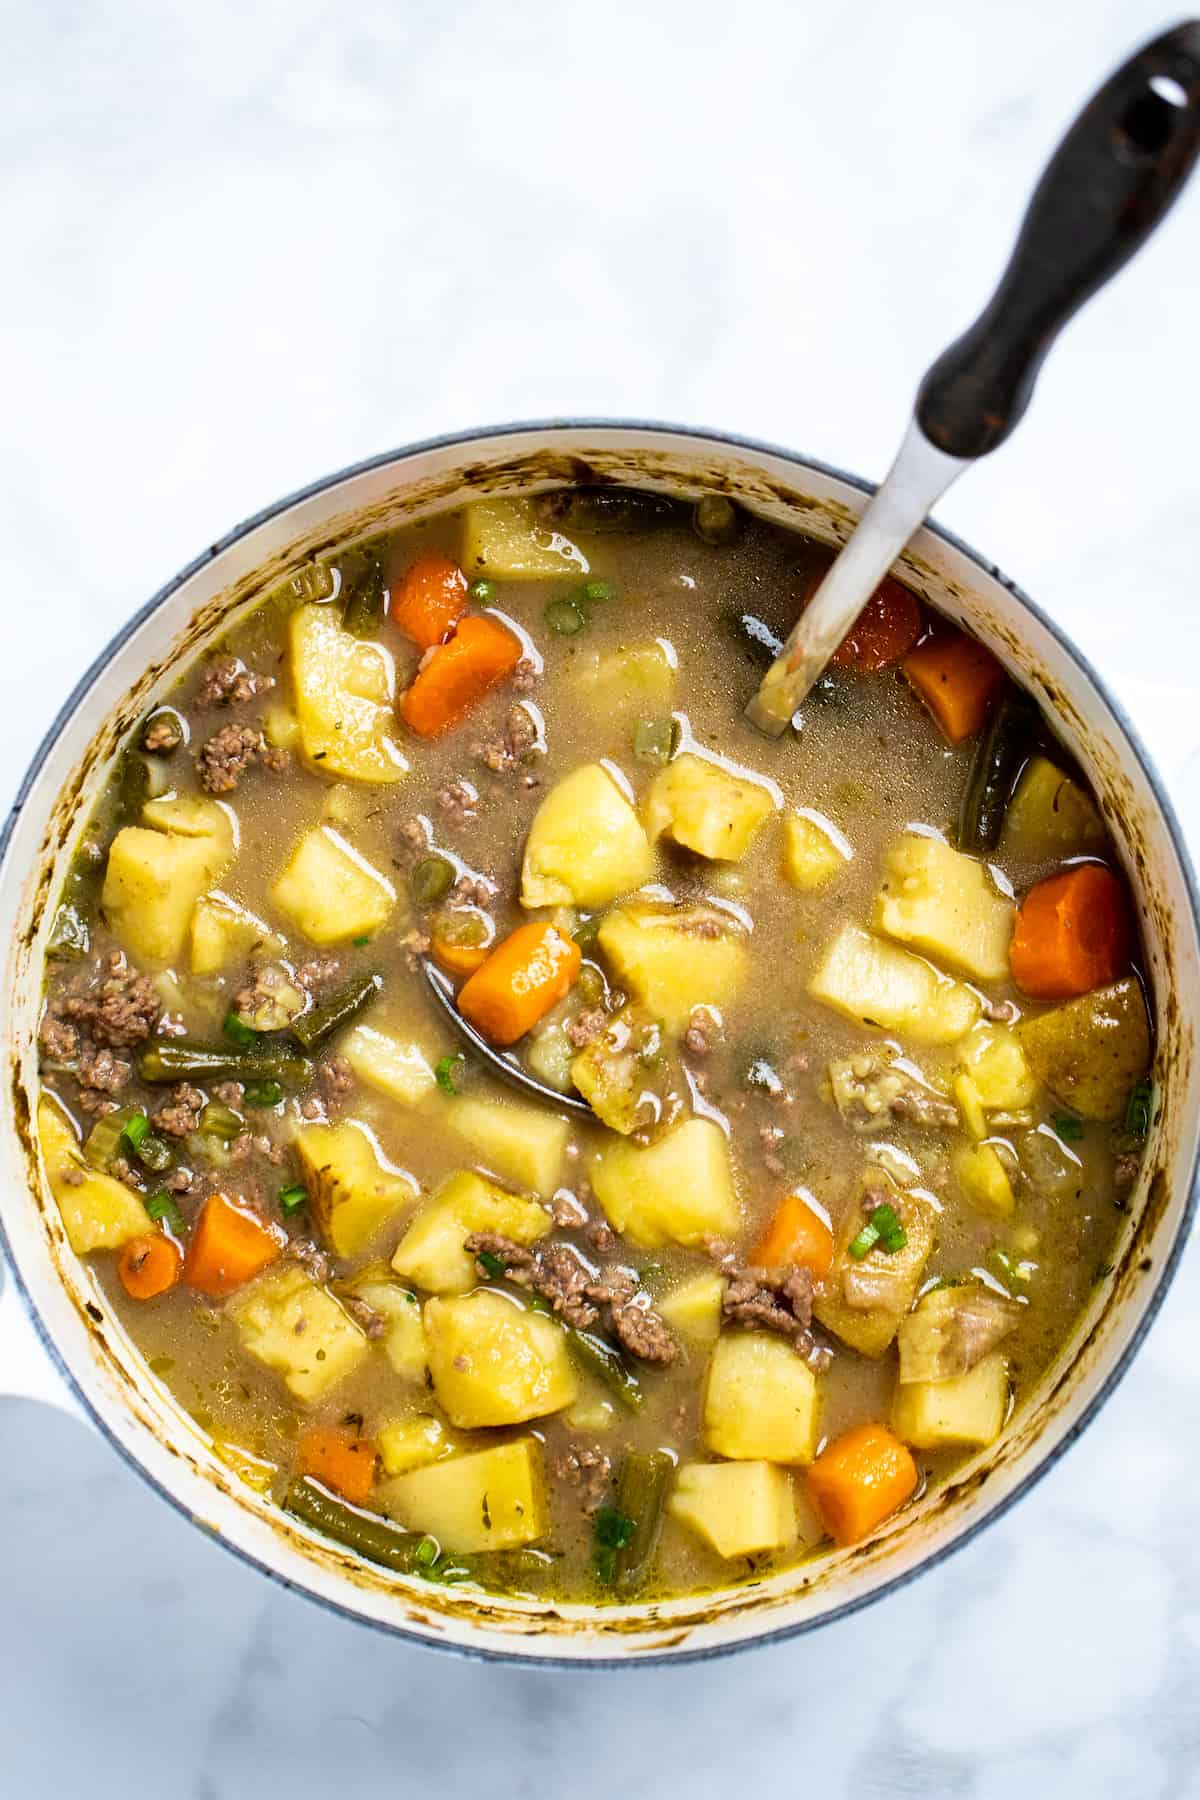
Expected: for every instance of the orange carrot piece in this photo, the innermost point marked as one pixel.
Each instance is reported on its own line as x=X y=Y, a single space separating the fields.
x=149 y=1265
x=339 y=1459
x=1073 y=933
x=429 y=599
x=859 y=1480
x=531 y=971
x=796 y=1235
x=481 y=653
x=886 y=629
x=229 y=1244
x=957 y=679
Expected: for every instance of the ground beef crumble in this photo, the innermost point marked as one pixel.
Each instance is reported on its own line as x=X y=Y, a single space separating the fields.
x=228 y=682
x=120 y=1009
x=587 y=1467
x=181 y=1114
x=458 y=801
x=225 y=757
x=579 y=1296
x=585 y=1026
x=336 y=1077
x=318 y=973
x=771 y=1300
x=504 y=753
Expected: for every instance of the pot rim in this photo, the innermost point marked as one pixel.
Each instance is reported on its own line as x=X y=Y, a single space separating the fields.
x=1153 y=1300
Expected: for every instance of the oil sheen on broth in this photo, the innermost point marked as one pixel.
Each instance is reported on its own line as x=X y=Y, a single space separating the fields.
x=859 y=1011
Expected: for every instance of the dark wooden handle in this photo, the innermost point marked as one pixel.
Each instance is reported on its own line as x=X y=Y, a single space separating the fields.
x=1117 y=172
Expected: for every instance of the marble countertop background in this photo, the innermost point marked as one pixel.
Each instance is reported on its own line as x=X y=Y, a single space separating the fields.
x=244 y=243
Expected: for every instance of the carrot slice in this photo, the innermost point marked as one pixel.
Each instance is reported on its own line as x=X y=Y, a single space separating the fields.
x=429 y=599
x=531 y=971
x=229 y=1244
x=859 y=1480
x=1073 y=933
x=340 y=1459
x=149 y=1265
x=957 y=679
x=796 y=1235
x=886 y=629
x=458 y=674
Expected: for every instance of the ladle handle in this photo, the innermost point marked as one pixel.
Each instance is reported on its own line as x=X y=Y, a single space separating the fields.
x=1115 y=174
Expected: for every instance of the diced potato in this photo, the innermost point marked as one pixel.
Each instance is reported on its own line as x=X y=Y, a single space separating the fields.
x=694 y=1308
x=760 y=1400
x=490 y=1500
x=996 y=1064
x=629 y=683
x=353 y=1194
x=679 y=1189
x=984 y=1179
x=586 y=844
x=523 y=1144
x=99 y=1212
x=403 y=1340
x=506 y=540
x=391 y=1065
x=945 y=903
x=291 y=1325
x=156 y=873
x=1050 y=817
x=951 y=1329
x=628 y=1075
x=431 y=1251
x=1090 y=1052
x=662 y=957
x=968 y=1410
x=971 y=1106
x=281 y=728
x=224 y=932
x=406 y=1444
x=876 y=983
x=737 y=1508
x=331 y=892
x=706 y=808
x=344 y=690
x=814 y=850
x=863 y=1301
x=494 y=1362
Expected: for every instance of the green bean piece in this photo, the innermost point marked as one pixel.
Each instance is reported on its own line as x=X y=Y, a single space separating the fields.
x=594 y=593
x=238 y=1032
x=174 y=1059
x=362 y=1532
x=315 y=581
x=654 y=740
x=138 y=782
x=626 y=510
x=590 y=984
x=598 y=1357
x=587 y=930
x=716 y=520
x=164 y=1210
x=163 y=732
x=364 y=590
x=70 y=937
x=313 y=1028
x=220 y=1121
x=431 y=879
x=107 y=1139
x=999 y=758
x=565 y=617
x=641 y=1496
x=155 y=1153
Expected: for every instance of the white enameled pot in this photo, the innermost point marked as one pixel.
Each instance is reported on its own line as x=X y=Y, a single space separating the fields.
x=64 y=1344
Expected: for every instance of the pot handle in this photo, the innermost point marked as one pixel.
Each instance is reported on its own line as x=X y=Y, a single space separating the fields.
x=27 y=1371
x=1116 y=173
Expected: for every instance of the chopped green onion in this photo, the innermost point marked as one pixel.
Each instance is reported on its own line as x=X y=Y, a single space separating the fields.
x=611 y=1532
x=1069 y=1128
x=864 y=1242
x=482 y=591
x=565 y=617
x=135 y=1130
x=238 y=1032
x=359 y=942
x=164 y=1210
x=292 y=1198
x=155 y=1153
x=1013 y=1272
x=595 y=592
x=443 y=1072
x=263 y=1093
x=427 y=1552
x=654 y=740
x=892 y=1234
x=493 y=1266
x=1139 y=1113
x=431 y=878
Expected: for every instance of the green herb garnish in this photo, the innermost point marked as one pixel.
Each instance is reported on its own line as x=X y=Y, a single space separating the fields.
x=1139 y=1113
x=482 y=591
x=493 y=1266
x=238 y=1032
x=883 y=1227
x=292 y=1198
x=135 y=1130
x=164 y=1210
x=1068 y=1127
x=359 y=942
x=443 y=1072
x=611 y=1532
x=263 y=1093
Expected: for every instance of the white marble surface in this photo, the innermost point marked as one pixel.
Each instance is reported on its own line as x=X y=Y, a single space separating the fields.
x=246 y=243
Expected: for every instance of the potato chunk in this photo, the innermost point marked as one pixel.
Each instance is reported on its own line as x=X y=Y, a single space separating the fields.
x=157 y=872
x=706 y=808
x=945 y=903
x=403 y=1340
x=674 y=958
x=760 y=1401
x=344 y=691
x=393 y=1066
x=414 y=1443
x=984 y=1179
x=814 y=851
x=678 y=1189
x=523 y=1144
x=490 y=1500
x=329 y=891
x=506 y=540
x=694 y=1308
x=629 y=683
x=224 y=932
x=431 y=1251
x=737 y=1508
x=291 y=1325
x=1050 y=817
x=876 y=983
x=967 y=1410
x=1091 y=1051
x=99 y=1212
x=494 y=1362
x=586 y=844
x=353 y=1194
x=863 y=1300
x=997 y=1065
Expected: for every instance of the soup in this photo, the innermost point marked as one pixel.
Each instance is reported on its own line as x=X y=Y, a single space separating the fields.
x=842 y=1050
